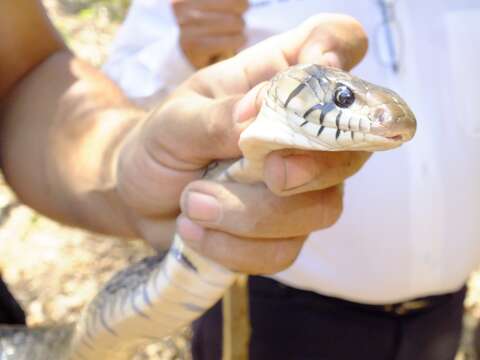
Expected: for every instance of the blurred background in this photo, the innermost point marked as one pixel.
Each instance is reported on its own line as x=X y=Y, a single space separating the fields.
x=88 y=26
x=53 y=270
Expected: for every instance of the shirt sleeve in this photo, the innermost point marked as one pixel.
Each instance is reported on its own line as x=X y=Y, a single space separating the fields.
x=146 y=59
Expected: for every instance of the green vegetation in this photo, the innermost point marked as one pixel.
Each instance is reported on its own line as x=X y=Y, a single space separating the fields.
x=87 y=9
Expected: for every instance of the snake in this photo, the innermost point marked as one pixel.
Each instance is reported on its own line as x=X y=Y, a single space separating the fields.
x=306 y=107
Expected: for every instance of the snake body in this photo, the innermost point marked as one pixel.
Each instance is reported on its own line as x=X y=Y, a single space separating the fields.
x=307 y=107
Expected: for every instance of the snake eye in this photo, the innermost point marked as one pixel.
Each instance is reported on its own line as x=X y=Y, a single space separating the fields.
x=344 y=96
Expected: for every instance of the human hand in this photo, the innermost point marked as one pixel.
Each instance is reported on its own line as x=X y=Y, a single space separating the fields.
x=243 y=227
x=210 y=30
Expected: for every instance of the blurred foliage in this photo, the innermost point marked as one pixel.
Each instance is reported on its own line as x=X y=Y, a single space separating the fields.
x=88 y=26
x=87 y=9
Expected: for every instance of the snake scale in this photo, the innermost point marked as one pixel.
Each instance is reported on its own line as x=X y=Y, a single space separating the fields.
x=307 y=107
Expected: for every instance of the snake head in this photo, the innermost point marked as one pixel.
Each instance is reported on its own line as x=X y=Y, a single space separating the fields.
x=339 y=110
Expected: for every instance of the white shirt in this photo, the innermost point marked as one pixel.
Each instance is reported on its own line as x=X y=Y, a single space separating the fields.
x=411 y=220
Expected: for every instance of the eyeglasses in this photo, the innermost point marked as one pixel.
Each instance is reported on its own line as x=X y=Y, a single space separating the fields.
x=388 y=36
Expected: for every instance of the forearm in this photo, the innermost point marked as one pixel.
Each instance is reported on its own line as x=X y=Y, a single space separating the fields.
x=27 y=38
x=59 y=134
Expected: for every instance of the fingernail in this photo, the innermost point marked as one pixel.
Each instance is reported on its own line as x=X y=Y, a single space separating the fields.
x=202 y=207
x=188 y=230
x=298 y=171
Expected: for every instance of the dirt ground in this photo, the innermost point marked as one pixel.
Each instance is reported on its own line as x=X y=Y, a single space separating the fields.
x=54 y=270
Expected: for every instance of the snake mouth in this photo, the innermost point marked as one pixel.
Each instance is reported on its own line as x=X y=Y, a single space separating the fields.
x=395 y=134
x=398 y=137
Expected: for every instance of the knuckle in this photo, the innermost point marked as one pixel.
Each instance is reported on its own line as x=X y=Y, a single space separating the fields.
x=220 y=131
x=217 y=129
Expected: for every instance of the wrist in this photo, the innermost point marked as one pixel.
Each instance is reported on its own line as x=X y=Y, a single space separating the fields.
x=85 y=173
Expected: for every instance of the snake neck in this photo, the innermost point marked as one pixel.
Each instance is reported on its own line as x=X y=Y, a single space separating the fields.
x=152 y=299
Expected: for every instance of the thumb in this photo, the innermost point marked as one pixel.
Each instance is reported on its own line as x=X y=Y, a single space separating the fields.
x=191 y=130
x=341 y=43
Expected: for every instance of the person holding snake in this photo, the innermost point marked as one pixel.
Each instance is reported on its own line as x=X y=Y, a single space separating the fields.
x=387 y=281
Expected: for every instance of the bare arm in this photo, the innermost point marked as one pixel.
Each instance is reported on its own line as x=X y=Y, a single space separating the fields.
x=27 y=38
x=60 y=124
x=73 y=147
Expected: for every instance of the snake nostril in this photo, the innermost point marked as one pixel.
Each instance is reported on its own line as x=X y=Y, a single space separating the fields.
x=379 y=115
